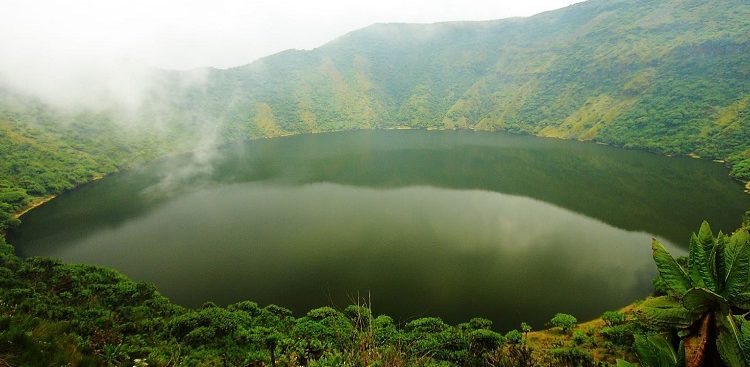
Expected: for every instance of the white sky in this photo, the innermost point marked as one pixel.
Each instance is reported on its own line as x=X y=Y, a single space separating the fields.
x=74 y=50
x=219 y=33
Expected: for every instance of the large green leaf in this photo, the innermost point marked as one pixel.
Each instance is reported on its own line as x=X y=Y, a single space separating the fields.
x=706 y=237
x=670 y=271
x=665 y=313
x=655 y=351
x=699 y=258
x=695 y=261
x=717 y=262
x=737 y=256
x=729 y=341
x=702 y=300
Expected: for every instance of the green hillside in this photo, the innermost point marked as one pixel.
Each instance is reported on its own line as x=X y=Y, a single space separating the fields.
x=667 y=76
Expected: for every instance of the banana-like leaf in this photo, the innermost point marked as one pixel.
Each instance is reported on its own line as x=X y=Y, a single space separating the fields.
x=699 y=260
x=702 y=300
x=706 y=237
x=737 y=264
x=729 y=341
x=655 y=351
x=670 y=271
x=717 y=262
x=665 y=313
x=696 y=344
x=696 y=262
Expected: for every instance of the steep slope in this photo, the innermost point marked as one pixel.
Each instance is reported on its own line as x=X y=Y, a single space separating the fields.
x=44 y=151
x=668 y=76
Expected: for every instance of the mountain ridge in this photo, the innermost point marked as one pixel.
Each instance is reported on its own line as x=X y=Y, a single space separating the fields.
x=457 y=75
x=671 y=77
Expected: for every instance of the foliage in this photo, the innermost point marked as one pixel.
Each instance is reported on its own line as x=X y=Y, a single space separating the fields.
x=514 y=337
x=613 y=318
x=619 y=334
x=564 y=321
x=675 y=82
x=706 y=299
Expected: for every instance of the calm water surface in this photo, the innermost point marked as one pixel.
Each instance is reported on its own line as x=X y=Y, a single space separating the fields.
x=450 y=224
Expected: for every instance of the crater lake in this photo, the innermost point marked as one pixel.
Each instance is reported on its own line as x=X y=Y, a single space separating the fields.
x=453 y=224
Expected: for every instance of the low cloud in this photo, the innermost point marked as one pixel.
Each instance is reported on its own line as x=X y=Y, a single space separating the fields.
x=104 y=54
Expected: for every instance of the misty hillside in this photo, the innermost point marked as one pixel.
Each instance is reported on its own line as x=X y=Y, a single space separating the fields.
x=669 y=76
x=666 y=76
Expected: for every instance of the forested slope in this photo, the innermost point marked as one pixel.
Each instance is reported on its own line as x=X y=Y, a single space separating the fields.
x=46 y=150
x=668 y=76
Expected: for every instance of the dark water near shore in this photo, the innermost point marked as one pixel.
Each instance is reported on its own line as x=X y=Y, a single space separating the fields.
x=450 y=224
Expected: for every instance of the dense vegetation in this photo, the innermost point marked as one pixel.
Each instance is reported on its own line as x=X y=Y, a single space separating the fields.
x=668 y=76
x=705 y=305
x=46 y=151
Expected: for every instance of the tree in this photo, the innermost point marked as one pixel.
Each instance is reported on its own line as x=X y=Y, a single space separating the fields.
x=526 y=328
x=564 y=321
x=706 y=302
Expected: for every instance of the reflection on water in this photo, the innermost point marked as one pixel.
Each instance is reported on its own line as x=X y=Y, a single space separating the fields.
x=426 y=224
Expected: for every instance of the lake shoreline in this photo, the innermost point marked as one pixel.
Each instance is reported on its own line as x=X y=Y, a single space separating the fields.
x=35 y=203
x=355 y=160
x=39 y=201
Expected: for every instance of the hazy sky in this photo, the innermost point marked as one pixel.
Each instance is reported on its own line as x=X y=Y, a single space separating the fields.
x=54 y=46
x=220 y=33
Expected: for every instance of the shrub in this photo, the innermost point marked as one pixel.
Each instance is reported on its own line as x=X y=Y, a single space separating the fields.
x=426 y=325
x=385 y=330
x=579 y=337
x=514 y=337
x=360 y=316
x=480 y=323
x=619 y=334
x=564 y=321
x=612 y=318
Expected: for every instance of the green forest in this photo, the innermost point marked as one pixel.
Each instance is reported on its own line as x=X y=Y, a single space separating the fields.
x=667 y=76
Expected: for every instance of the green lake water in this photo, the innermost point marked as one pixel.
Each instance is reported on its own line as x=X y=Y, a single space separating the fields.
x=448 y=224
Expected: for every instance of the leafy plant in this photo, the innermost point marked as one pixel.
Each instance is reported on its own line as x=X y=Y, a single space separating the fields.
x=514 y=337
x=612 y=318
x=564 y=321
x=705 y=302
